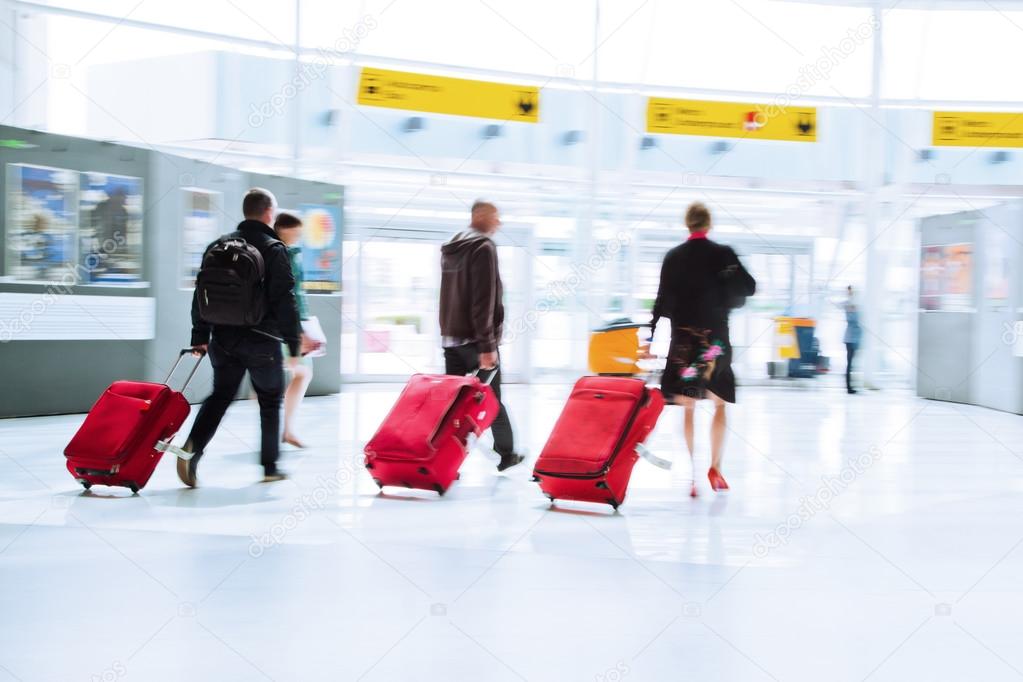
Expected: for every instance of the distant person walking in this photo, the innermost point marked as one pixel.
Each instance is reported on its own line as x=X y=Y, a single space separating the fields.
x=701 y=282
x=472 y=313
x=243 y=309
x=853 y=336
x=289 y=230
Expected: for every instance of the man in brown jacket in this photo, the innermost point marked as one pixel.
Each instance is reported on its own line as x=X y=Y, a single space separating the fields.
x=472 y=314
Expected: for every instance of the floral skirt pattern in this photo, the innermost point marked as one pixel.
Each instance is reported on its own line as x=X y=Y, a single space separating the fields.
x=698 y=361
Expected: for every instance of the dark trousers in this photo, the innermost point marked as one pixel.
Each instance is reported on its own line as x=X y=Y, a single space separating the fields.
x=462 y=360
x=261 y=357
x=850 y=353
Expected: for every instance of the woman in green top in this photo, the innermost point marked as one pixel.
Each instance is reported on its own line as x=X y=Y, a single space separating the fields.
x=289 y=230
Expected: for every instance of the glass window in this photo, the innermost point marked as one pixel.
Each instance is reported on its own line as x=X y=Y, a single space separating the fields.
x=952 y=54
x=795 y=48
x=528 y=36
x=267 y=20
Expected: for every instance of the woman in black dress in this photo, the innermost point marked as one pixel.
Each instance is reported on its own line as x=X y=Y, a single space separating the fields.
x=701 y=281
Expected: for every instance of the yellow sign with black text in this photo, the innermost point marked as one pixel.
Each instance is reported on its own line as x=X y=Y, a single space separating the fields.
x=731 y=119
x=977 y=129
x=444 y=95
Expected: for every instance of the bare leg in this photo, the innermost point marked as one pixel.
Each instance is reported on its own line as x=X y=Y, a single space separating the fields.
x=689 y=405
x=717 y=432
x=301 y=376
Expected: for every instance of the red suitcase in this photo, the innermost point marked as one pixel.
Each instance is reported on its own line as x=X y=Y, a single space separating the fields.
x=423 y=440
x=126 y=431
x=592 y=449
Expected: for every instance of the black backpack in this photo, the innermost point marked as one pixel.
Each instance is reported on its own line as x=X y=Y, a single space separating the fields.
x=229 y=285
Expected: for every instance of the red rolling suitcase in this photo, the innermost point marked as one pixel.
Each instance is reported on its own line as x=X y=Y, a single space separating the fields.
x=126 y=432
x=593 y=447
x=423 y=440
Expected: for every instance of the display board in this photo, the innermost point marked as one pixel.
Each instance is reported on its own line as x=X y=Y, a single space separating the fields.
x=321 y=247
x=977 y=129
x=110 y=228
x=41 y=224
x=946 y=277
x=731 y=119
x=445 y=95
x=73 y=227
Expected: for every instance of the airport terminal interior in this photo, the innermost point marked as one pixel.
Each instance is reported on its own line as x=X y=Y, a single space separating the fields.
x=862 y=159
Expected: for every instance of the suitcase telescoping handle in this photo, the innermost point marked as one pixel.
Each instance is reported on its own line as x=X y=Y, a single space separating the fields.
x=181 y=354
x=490 y=377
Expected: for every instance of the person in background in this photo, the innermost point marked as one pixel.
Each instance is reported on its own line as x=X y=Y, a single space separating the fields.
x=235 y=350
x=289 y=230
x=853 y=336
x=701 y=281
x=472 y=313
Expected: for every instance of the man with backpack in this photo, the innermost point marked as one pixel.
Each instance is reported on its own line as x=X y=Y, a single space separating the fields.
x=243 y=309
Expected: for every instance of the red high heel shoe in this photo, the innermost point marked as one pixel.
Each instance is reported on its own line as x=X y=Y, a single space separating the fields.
x=717 y=481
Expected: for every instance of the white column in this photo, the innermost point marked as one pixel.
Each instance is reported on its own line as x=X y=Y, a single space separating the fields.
x=24 y=68
x=872 y=299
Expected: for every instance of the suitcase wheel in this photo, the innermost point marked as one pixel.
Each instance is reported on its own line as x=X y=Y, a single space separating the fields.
x=133 y=488
x=379 y=483
x=439 y=489
x=85 y=484
x=611 y=501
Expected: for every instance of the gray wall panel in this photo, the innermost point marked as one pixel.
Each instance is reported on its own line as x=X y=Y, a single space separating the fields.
x=996 y=378
x=48 y=377
x=945 y=339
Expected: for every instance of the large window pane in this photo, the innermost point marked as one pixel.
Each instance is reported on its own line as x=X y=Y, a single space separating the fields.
x=958 y=55
x=762 y=45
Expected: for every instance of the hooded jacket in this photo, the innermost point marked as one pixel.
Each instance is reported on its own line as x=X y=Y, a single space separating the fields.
x=281 y=321
x=471 y=290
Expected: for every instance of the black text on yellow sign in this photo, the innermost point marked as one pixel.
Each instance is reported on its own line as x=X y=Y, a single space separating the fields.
x=977 y=129
x=731 y=119
x=443 y=95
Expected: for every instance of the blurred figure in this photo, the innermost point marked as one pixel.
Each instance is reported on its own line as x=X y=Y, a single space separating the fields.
x=472 y=313
x=289 y=230
x=853 y=336
x=701 y=281
x=235 y=349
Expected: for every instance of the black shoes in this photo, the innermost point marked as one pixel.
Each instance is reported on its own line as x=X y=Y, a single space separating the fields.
x=273 y=475
x=509 y=460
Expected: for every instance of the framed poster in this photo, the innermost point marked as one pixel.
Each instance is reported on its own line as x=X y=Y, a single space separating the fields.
x=110 y=228
x=321 y=246
x=41 y=224
x=200 y=227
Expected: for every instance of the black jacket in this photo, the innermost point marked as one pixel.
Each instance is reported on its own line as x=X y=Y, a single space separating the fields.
x=701 y=281
x=471 y=290
x=281 y=321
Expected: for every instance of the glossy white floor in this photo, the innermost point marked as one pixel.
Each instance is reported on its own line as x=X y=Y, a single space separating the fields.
x=903 y=563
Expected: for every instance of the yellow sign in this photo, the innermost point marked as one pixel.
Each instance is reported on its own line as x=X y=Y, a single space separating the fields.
x=731 y=119
x=977 y=129
x=443 y=95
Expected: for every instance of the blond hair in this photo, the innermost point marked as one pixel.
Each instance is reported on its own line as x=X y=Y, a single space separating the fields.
x=697 y=217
